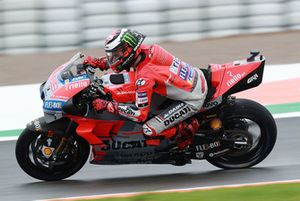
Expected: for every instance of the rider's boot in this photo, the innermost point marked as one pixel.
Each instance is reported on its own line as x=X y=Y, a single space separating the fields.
x=184 y=140
x=183 y=132
x=186 y=133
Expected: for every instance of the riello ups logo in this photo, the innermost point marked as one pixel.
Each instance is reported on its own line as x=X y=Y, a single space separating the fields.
x=234 y=78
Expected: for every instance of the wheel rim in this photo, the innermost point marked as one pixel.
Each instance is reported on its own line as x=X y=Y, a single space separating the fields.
x=247 y=130
x=55 y=163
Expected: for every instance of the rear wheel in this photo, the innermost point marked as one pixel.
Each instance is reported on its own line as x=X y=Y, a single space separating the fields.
x=37 y=154
x=254 y=131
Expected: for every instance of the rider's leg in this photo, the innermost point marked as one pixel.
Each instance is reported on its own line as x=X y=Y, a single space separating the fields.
x=171 y=121
x=175 y=113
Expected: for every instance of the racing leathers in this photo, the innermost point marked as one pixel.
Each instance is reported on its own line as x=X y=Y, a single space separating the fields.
x=162 y=73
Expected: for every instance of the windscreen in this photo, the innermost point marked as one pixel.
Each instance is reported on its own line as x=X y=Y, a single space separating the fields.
x=65 y=82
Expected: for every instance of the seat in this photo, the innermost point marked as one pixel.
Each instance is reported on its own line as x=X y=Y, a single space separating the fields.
x=211 y=89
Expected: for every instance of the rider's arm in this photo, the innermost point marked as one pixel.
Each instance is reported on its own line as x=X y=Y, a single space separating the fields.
x=140 y=110
x=95 y=62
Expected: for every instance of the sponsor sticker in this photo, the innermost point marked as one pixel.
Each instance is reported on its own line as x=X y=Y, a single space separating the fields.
x=140 y=82
x=76 y=85
x=81 y=77
x=177 y=115
x=60 y=97
x=142 y=100
x=234 y=78
x=218 y=153
x=183 y=73
x=125 y=92
x=252 y=78
x=47 y=151
x=117 y=145
x=128 y=110
x=175 y=65
x=53 y=105
x=205 y=147
x=173 y=110
x=191 y=75
x=141 y=94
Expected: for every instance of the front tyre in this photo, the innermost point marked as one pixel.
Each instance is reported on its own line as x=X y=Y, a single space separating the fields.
x=247 y=122
x=36 y=157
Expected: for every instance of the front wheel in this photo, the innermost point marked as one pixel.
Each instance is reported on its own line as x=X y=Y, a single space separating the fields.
x=37 y=155
x=253 y=127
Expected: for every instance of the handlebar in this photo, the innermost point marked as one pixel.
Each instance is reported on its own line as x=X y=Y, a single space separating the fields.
x=96 y=87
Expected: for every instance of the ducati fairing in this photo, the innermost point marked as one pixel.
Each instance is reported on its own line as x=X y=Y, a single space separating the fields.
x=234 y=133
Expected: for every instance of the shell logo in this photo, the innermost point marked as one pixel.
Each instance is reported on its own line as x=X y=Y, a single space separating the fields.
x=47 y=151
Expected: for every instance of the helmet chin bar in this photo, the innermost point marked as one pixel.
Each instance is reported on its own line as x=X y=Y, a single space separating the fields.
x=125 y=65
x=130 y=44
x=129 y=60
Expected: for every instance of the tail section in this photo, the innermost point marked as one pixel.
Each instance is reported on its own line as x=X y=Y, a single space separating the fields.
x=226 y=79
x=237 y=76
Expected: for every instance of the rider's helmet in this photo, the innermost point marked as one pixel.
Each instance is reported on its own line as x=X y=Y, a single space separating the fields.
x=122 y=48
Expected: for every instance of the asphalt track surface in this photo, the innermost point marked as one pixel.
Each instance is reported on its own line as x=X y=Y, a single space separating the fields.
x=282 y=164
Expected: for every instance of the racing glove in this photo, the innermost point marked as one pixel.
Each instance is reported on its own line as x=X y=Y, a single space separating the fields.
x=100 y=63
x=99 y=104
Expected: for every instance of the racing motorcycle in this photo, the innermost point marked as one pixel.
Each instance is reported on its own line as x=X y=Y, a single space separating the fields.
x=234 y=133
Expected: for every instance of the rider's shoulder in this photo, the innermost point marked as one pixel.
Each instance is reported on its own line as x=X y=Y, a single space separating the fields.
x=154 y=48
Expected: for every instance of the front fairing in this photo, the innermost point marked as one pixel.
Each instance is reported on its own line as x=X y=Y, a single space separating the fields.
x=65 y=82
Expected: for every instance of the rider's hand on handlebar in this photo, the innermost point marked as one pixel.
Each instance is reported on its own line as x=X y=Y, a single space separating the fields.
x=99 y=104
x=100 y=63
x=93 y=91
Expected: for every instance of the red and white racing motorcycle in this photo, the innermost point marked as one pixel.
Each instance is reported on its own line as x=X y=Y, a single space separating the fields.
x=234 y=133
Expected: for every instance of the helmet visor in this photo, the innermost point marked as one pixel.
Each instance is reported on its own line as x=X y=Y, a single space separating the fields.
x=115 y=56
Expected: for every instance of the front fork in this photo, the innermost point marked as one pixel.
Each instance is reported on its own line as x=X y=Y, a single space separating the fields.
x=64 y=139
x=55 y=136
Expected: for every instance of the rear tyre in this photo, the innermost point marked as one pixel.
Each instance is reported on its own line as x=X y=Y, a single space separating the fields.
x=239 y=119
x=30 y=153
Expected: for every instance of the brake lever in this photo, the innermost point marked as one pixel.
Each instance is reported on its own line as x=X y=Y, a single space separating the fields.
x=101 y=90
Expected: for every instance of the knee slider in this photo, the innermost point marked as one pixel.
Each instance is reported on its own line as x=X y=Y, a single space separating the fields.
x=147 y=130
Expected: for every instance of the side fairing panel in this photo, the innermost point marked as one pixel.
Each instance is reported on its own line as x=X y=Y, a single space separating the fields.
x=128 y=146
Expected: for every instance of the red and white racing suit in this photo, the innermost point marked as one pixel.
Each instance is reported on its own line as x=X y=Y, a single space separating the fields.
x=165 y=74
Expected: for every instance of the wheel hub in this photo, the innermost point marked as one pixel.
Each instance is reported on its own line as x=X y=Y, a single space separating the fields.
x=242 y=141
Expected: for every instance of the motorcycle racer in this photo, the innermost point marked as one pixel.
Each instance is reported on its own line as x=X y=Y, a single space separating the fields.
x=157 y=71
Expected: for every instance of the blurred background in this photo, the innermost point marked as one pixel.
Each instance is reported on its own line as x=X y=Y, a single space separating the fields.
x=29 y=26
x=41 y=34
